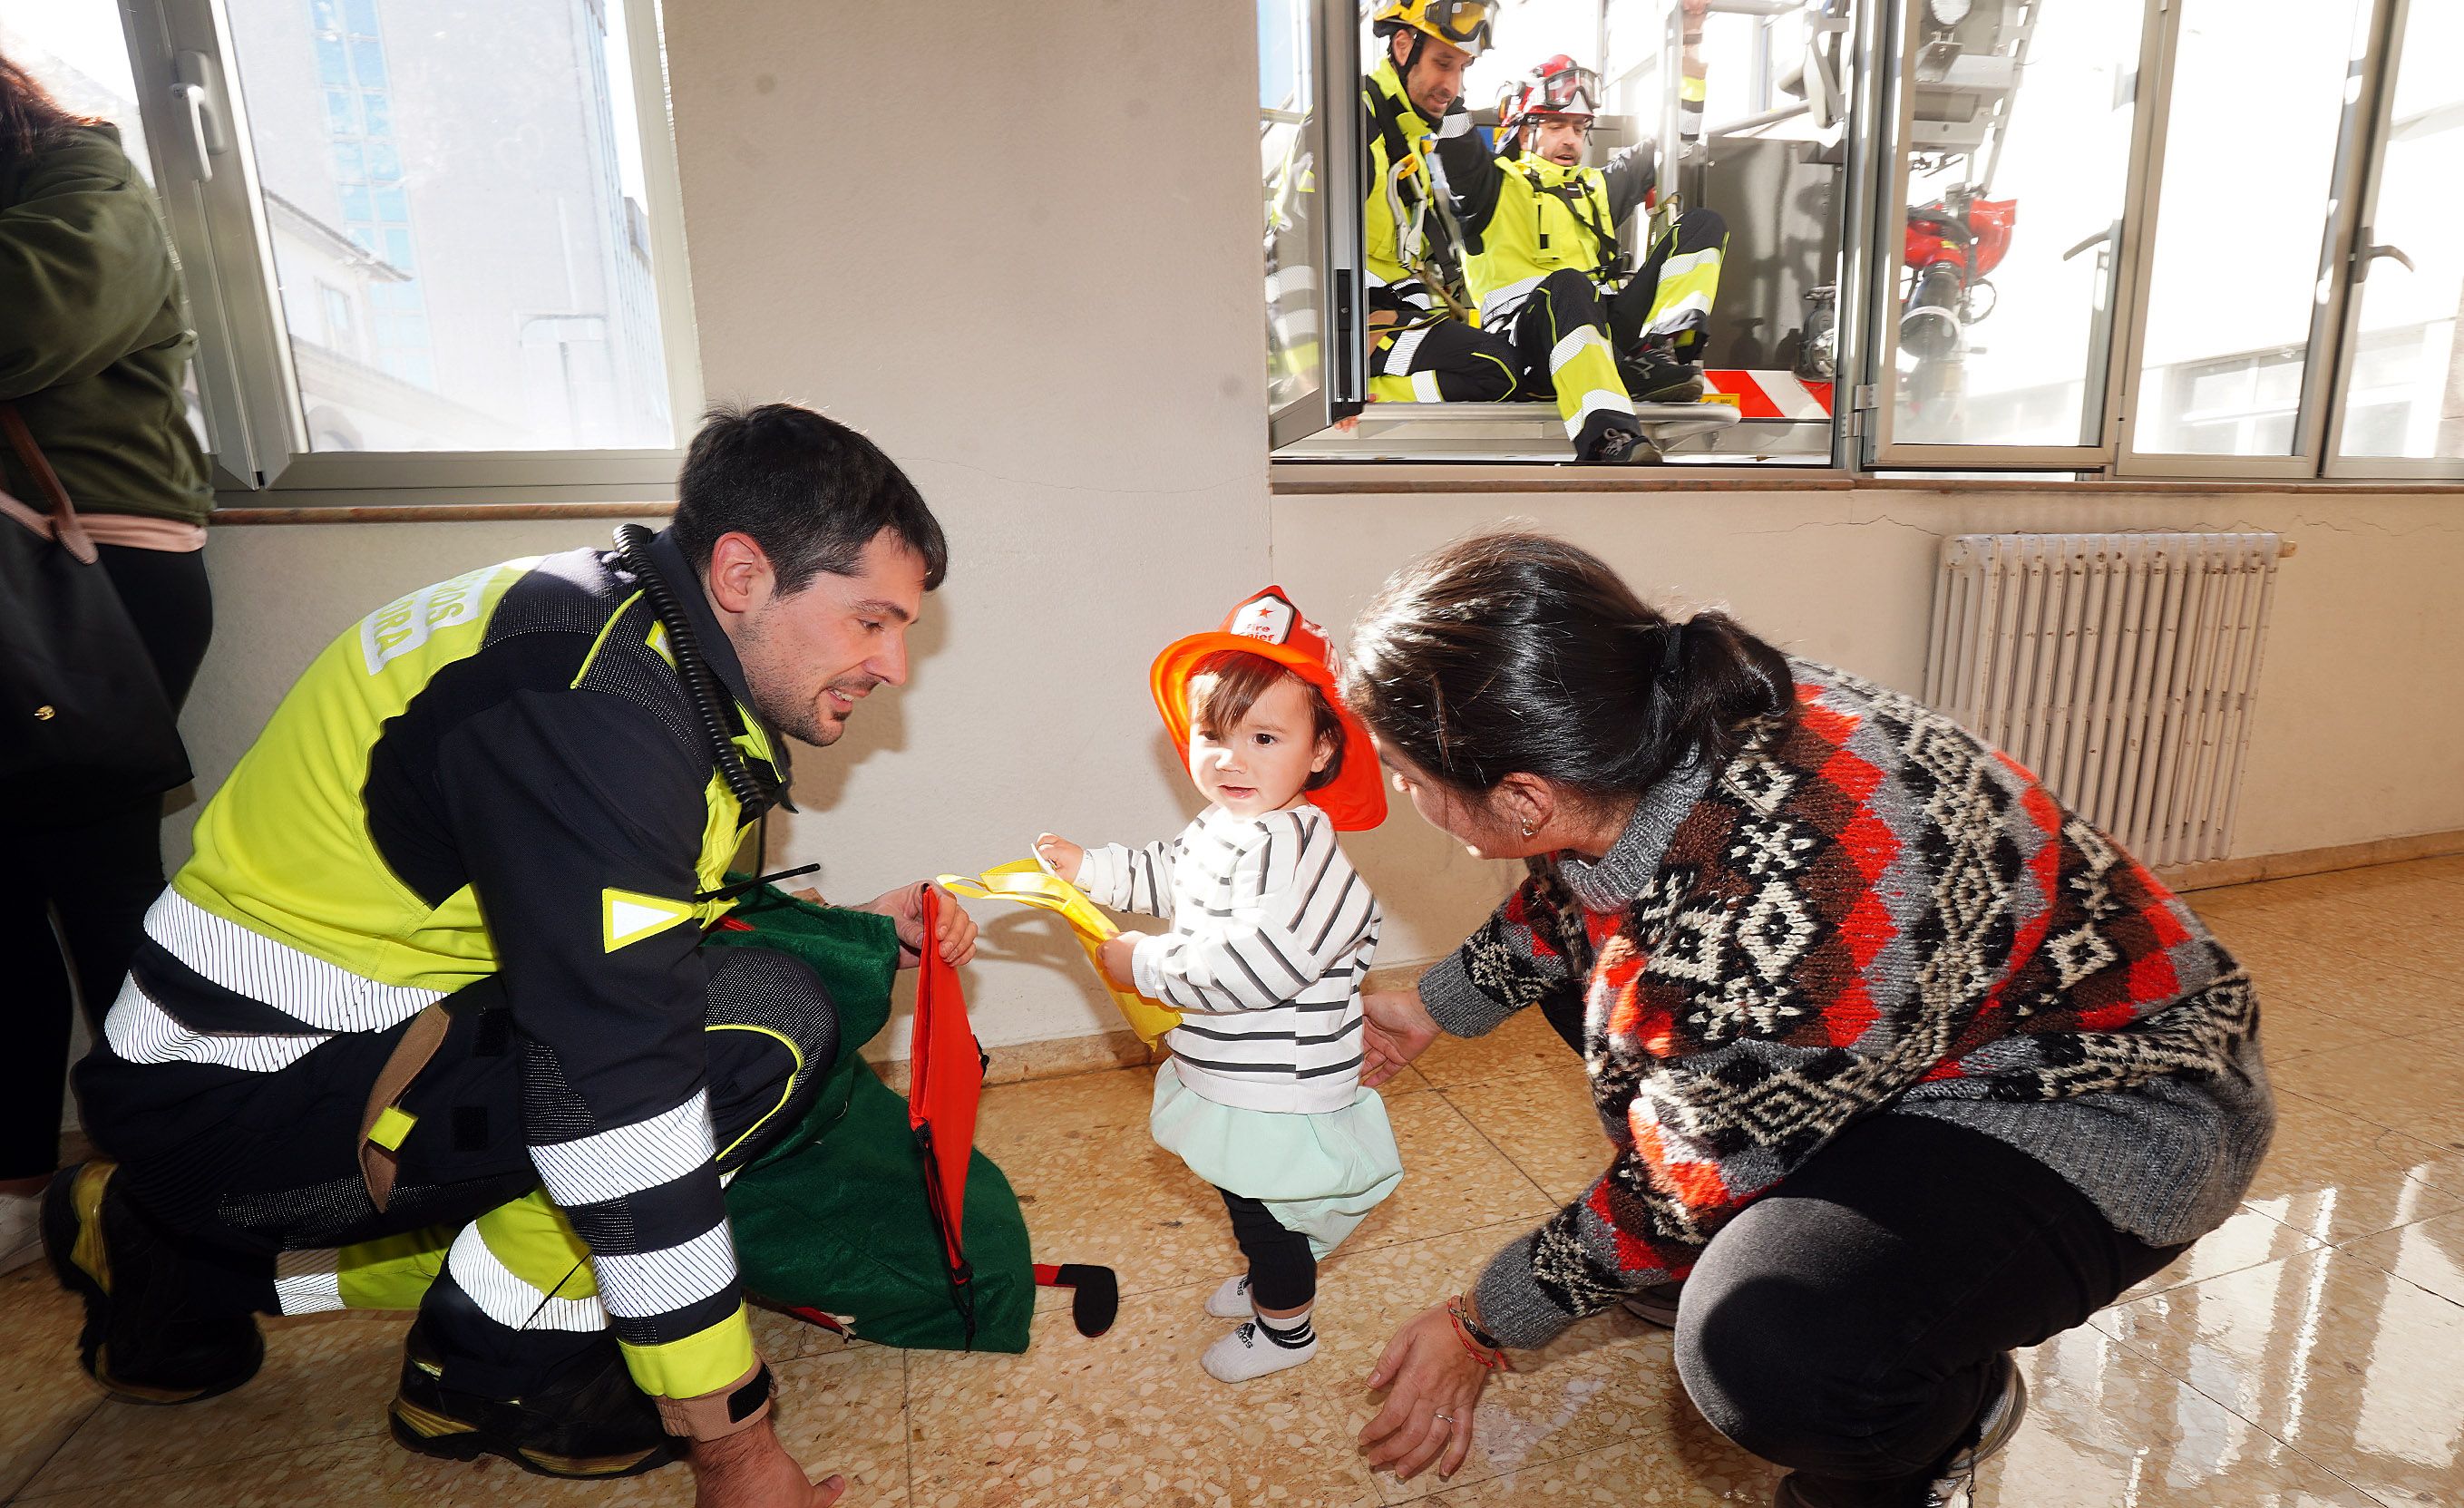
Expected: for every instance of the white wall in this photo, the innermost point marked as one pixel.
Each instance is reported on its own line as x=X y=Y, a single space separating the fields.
x=2360 y=725
x=1018 y=247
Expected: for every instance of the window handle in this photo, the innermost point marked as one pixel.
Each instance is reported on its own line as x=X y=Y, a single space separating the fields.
x=2098 y=239
x=2368 y=254
x=193 y=94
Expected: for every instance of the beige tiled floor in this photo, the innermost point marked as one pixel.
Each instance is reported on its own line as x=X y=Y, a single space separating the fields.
x=2310 y=1352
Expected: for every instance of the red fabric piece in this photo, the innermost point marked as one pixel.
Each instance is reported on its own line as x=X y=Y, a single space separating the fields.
x=946 y=1080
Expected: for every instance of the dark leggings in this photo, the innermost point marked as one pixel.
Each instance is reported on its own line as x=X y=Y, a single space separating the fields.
x=1849 y=1324
x=1282 y=1272
x=100 y=877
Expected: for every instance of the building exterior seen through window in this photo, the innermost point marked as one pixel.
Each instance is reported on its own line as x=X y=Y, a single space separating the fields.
x=449 y=204
x=456 y=174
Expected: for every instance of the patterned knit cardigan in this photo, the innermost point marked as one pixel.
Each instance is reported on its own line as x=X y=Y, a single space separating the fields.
x=1865 y=908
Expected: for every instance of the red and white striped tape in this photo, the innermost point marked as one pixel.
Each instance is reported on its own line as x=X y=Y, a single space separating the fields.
x=1770 y=395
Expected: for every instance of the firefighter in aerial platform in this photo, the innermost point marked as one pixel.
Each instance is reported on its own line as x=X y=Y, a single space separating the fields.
x=1541 y=257
x=426 y=1022
x=1426 y=347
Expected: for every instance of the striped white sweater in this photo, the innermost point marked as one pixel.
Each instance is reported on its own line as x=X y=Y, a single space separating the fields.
x=1273 y=932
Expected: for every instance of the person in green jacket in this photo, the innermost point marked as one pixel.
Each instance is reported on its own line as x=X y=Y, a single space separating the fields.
x=93 y=353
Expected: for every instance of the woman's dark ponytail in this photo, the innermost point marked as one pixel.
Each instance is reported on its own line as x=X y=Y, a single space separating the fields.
x=1505 y=652
x=1718 y=678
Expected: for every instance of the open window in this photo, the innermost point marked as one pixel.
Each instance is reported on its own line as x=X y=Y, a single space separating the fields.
x=1307 y=160
x=1750 y=121
x=2187 y=238
x=2015 y=126
x=423 y=247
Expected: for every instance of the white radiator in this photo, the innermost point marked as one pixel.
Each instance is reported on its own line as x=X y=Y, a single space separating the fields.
x=2123 y=670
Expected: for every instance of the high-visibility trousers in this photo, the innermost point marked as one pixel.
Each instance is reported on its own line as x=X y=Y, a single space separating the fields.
x=254 y=1180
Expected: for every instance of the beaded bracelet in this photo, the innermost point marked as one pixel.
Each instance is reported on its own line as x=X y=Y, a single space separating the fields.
x=1482 y=1345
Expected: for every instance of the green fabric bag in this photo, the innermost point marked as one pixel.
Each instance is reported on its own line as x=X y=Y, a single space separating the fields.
x=833 y=1216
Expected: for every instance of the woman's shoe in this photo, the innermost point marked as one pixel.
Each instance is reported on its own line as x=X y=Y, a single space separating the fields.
x=1656 y=1304
x=1956 y=1486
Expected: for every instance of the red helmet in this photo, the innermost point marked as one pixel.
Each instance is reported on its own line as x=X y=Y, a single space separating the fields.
x=1559 y=88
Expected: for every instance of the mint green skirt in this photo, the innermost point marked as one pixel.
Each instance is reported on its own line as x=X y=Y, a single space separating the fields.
x=1317 y=1174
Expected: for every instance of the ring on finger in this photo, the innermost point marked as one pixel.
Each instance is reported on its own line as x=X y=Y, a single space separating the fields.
x=1447 y=1418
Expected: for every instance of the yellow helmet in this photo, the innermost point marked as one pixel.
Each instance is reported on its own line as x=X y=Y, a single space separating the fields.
x=1457 y=23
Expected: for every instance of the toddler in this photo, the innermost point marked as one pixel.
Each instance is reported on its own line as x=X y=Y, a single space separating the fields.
x=1271 y=934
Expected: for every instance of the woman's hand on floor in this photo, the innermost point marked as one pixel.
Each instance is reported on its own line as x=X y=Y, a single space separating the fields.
x=1396 y=1028
x=1432 y=1385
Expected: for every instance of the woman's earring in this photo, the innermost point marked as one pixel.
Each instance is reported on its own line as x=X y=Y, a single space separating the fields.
x=1527 y=829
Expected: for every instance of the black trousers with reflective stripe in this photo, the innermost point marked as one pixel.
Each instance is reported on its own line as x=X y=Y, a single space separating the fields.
x=1565 y=303
x=234 y=1167
x=1463 y=362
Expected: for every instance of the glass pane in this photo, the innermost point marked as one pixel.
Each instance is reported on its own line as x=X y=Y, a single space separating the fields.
x=443 y=289
x=75 y=48
x=2259 y=90
x=2408 y=385
x=1286 y=144
x=2018 y=163
x=1717 y=279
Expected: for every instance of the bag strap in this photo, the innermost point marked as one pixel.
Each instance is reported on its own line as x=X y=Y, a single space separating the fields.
x=64 y=525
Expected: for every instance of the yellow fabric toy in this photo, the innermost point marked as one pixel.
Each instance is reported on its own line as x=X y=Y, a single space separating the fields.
x=1029 y=884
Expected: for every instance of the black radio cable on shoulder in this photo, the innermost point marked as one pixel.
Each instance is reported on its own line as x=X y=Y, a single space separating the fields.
x=701 y=688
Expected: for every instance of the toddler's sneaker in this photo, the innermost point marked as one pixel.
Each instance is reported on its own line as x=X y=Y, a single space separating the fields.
x=1231 y=1301
x=1254 y=1350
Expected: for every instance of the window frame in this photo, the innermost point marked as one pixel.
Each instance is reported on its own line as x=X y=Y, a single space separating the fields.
x=182 y=59
x=1339 y=155
x=2323 y=367
x=1876 y=402
x=2360 y=253
x=1880 y=109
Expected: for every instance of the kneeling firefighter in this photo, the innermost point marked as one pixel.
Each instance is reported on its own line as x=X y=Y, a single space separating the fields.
x=426 y=1022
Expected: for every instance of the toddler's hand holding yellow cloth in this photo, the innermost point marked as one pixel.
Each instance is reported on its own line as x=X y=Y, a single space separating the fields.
x=1029 y=884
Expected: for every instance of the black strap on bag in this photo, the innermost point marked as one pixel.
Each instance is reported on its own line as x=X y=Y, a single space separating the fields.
x=84 y=724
